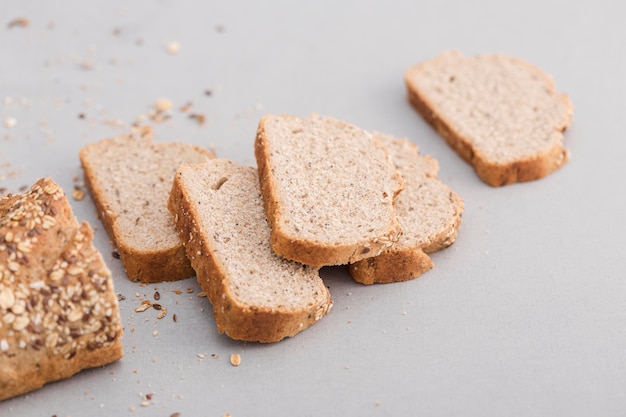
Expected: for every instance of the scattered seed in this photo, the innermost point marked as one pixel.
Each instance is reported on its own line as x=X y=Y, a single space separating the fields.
x=115 y=254
x=10 y=122
x=173 y=47
x=201 y=355
x=235 y=359
x=201 y=294
x=143 y=307
x=186 y=107
x=78 y=194
x=162 y=105
x=200 y=118
x=157 y=296
x=20 y=22
x=174 y=318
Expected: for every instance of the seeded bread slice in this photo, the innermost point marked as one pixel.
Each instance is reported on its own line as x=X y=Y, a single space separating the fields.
x=500 y=114
x=256 y=295
x=130 y=178
x=430 y=214
x=328 y=189
x=58 y=309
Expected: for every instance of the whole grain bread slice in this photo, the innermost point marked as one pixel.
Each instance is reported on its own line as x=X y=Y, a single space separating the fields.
x=328 y=189
x=58 y=308
x=429 y=212
x=256 y=295
x=130 y=178
x=499 y=113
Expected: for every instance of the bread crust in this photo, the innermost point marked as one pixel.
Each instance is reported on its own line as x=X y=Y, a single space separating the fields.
x=236 y=320
x=308 y=251
x=493 y=172
x=169 y=263
x=57 y=304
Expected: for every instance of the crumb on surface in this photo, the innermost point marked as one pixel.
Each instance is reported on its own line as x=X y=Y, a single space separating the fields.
x=235 y=359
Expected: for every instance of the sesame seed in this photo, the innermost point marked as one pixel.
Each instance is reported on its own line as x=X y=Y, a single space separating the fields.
x=7 y=299
x=75 y=315
x=4 y=345
x=56 y=275
x=20 y=323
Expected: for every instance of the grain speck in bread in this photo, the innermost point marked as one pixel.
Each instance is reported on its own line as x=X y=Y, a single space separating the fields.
x=58 y=309
x=499 y=113
x=430 y=214
x=129 y=178
x=328 y=189
x=256 y=295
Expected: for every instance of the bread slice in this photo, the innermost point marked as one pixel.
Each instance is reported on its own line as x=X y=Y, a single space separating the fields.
x=130 y=178
x=501 y=114
x=328 y=189
x=256 y=295
x=58 y=309
x=429 y=212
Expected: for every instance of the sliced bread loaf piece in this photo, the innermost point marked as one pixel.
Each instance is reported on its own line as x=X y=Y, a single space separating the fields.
x=130 y=178
x=58 y=308
x=429 y=212
x=256 y=295
x=328 y=189
x=501 y=114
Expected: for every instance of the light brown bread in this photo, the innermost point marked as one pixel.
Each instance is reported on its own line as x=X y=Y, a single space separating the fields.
x=58 y=309
x=328 y=189
x=130 y=178
x=500 y=114
x=429 y=212
x=256 y=295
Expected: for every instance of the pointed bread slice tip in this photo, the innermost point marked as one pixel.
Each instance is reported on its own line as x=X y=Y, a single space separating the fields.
x=501 y=114
x=328 y=189
x=129 y=178
x=256 y=295
x=429 y=212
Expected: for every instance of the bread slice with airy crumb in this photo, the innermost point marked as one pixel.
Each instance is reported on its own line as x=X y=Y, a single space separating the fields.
x=328 y=189
x=129 y=178
x=58 y=307
x=499 y=113
x=428 y=210
x=256 y=295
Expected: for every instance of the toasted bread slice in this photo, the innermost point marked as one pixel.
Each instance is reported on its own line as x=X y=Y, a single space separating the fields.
x=328 y=189
x=500 y=114
x=58 y=308
x=130 y=178
x=429 y=212
x=256 y=295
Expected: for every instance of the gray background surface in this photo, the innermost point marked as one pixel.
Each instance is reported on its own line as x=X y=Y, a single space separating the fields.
x=525 y=315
